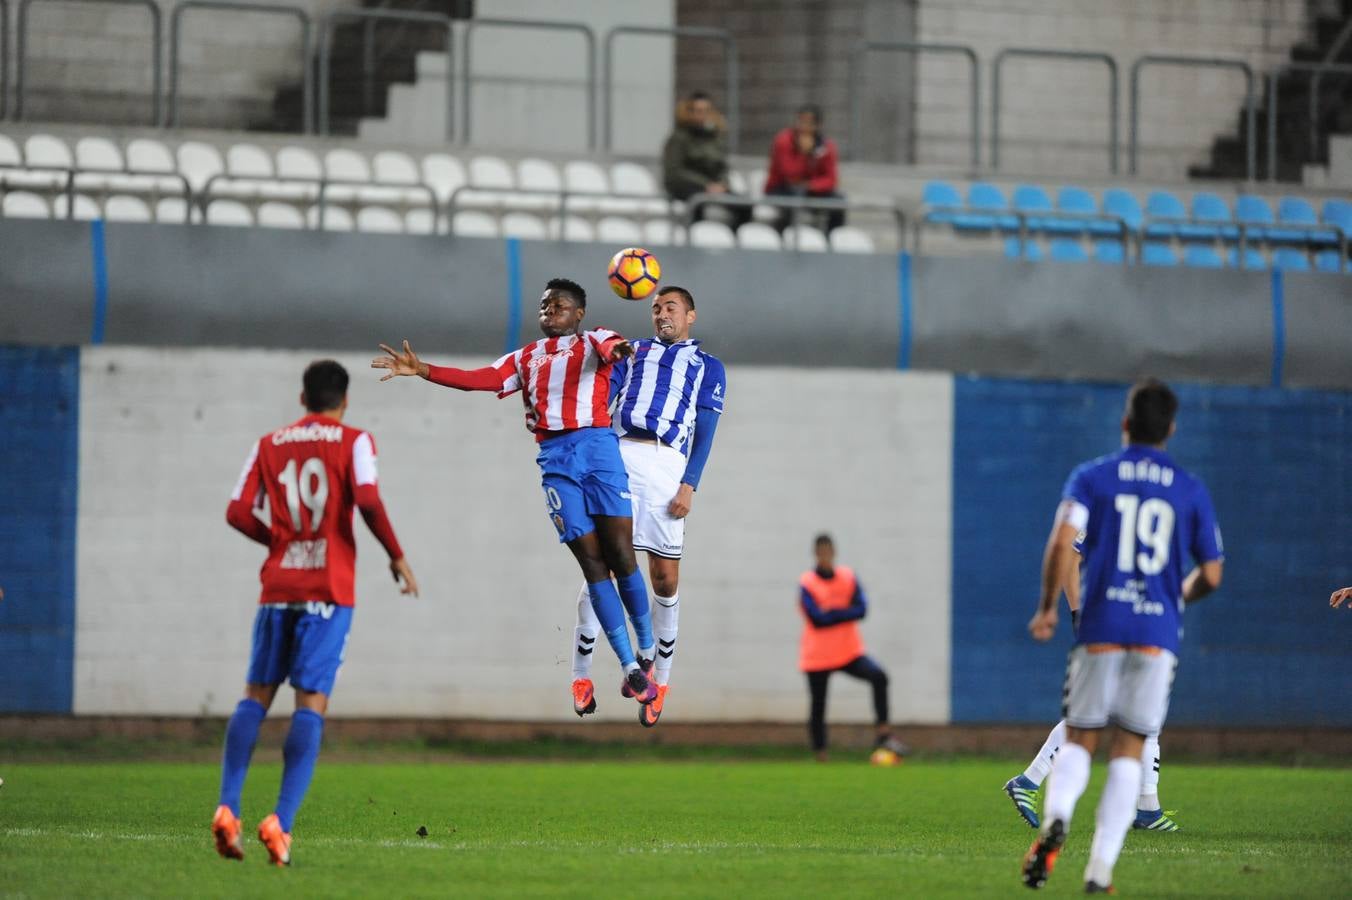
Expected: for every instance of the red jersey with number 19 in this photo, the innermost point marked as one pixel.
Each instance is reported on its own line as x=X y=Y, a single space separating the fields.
x=297 y=495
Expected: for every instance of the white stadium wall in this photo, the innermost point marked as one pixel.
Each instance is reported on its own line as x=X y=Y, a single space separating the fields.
x=166 y=590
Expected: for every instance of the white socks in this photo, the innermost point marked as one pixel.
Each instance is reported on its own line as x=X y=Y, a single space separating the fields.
x=1150 y=776
x=584 y=635
x=1116 y=810
x=665 y=611
x=1069 y=778
x=1041 y=765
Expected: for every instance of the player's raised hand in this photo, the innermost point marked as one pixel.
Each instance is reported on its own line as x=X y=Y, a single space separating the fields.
x=1339 y=596
x=1043 y=624
x=622 y=350
x=399 y=363
x=679 y=507
x=403 y=576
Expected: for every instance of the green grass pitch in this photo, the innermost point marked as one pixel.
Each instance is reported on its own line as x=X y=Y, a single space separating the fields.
x=614 y=828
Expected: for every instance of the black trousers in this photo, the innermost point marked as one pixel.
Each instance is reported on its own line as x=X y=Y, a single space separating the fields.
x=827 y=220
x=862 y=668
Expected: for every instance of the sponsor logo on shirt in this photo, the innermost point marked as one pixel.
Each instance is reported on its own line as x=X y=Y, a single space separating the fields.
x=307 y=555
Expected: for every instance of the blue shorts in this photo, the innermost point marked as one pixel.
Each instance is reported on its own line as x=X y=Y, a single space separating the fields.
x=302 y=643
x=583 y=476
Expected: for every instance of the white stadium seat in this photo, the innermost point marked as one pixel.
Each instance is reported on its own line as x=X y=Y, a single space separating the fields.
x=9 y=152
x=85 y=208
x=172 y=210
x=298 y=162
x=379 y=219
x=585 y=177
x=618 y=230
x=23 y=205
x=758 y=236
x=631 y=178
x=804 y=237
x=248 y=161
x=229 y=212
x=572 y=228
x=491 y=172
x=98 y=153
x=199 y=162
x=393 y=167
x=125 y=208
x=342 y=164
x=523 y=225
x=737 y=182
x=474 y=224
x=443 y=173
x=755 y=182
x=46 y=150
x=712 y=235
x=419 y=221
x=336 y=218
x=538 y=175
x=660 y=233
x=848 y=239
x=273 y=214
x=149 y=155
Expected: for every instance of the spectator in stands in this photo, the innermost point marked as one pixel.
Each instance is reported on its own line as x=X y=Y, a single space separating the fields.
x=803 y=164
x=695 y=159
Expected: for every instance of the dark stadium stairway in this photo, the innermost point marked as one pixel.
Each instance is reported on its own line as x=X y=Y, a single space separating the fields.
x=353 y=97
x=1228 y=152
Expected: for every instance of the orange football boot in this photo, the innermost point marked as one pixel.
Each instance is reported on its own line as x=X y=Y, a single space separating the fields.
x=277 y=841
x=651 y=712
x=584 y=697
x=225 y=828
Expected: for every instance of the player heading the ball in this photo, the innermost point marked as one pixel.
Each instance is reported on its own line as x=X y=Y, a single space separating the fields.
x=564 y=382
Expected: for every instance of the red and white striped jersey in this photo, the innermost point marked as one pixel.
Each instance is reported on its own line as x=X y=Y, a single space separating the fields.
x=565 y=381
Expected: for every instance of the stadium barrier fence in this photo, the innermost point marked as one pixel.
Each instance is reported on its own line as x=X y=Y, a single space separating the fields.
x=997 y=68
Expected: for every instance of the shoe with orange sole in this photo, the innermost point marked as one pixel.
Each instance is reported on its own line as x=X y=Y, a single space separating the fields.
x=651 y=712
x=225 y=828
x=277 y=841
x=1041 y=857
x=584 y=697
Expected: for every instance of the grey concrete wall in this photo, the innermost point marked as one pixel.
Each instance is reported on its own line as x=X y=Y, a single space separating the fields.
x=167 y=591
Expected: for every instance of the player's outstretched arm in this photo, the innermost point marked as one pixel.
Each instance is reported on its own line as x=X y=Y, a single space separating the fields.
x=405 y=362
x=1339 y=596
x=403 y=576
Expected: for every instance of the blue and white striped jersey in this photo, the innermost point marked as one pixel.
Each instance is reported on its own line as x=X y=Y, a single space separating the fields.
x=658 y=390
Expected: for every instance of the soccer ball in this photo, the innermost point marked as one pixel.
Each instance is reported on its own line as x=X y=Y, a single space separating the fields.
x=634 y=273
x=884 y=757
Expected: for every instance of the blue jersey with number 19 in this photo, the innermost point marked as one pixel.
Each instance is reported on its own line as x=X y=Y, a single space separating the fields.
x=1149 y=521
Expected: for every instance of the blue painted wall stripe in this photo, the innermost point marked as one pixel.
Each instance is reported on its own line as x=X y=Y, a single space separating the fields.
x=904 y=298
x=513 y=294
x=97 y=249
x=1278 y=327
x=39 y=418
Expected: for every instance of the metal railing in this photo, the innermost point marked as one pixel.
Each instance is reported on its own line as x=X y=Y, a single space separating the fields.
x=20 y=80
x=106 y=181
x=306 y=50
x=369 y=15
x=588 y=36
x=1315 y=69
x=1067 y=55
x=679 y=31
x=378 y=194
x=1029 y=222
x=796 y=206
x=860 y=51
x=1201 y=62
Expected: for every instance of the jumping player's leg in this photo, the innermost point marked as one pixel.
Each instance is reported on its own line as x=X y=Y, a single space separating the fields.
x=617 y=545
x=665 y=575
x=816 y=722
x=584 y=634
x=605 y=600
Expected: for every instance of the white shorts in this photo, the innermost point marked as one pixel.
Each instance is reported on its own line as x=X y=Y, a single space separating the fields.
x=655 y=472
x=1127 y=686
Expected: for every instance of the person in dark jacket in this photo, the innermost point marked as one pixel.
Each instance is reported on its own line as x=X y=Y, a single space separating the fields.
x=695 y=157
x=803 y=164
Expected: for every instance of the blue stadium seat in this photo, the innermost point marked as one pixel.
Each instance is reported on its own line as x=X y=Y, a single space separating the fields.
x=1158 y=253
x=1299 y=211
x=1109 y=251
x=1253 y=259
x=1290 y=259
x=1029 y=250
x=1339 y=214
x=1123 y=205
x=1064 y=249
x=1209 y=208
x=987 y=197
x=942 y=201
x=1032 y=199
x=1163 y=205
x=1202 y=256
x=1254 y=213
x=1329 y=261
x=1073 y=201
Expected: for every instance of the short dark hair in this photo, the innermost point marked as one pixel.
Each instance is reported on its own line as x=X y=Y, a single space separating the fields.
x=1151 y=407
x=821 y=539
x=676 y=289
x=325 y=384
x=568 y=286
x=812 y=108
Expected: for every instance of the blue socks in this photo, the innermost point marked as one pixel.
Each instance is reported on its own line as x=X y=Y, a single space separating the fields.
x=240 y=736
x=298 y=755
x=635 y=595
x=610 y=613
